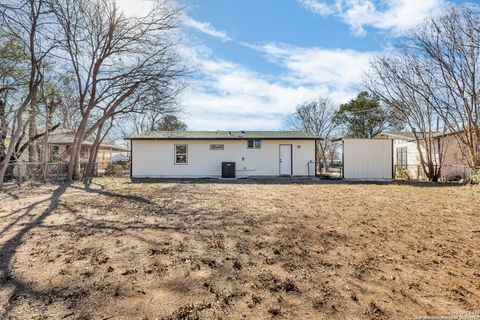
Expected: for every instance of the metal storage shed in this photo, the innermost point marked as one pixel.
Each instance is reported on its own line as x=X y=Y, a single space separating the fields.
x=368 y=159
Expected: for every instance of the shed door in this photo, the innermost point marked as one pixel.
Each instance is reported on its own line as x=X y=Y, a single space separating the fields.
x=368 y=159
x=285 y=159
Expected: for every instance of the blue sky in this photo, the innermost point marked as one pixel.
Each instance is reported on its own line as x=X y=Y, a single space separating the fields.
x=255 y=60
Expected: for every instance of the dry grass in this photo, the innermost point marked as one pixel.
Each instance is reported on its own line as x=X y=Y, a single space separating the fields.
x=238 y=250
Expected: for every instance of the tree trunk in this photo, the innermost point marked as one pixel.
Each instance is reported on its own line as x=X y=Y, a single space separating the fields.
x=73 y=165
x=3 y=141
x=318 y=159
x=32 y=129
x=45 y=154
x=3 y=130
x=324 y=154
x=90 y=167
x=15 y=137
x=18 y=127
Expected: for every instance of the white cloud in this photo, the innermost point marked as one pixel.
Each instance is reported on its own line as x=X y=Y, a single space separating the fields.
x=396 y=15
x=206 y=28
x=135 y=8
x=228 y=95
x=337 y=68
x=138 y=8
x=231 y=96
x=321 y=8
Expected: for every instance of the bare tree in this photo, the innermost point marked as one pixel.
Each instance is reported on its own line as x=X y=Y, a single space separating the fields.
x=149 y=121
x=117 y=60
x=51 y=99
x=13 y=76
x=100 y=136
x=434 y=81
x=150 y=112
x=170 y=122
x=451 y=45
x=22 y=20
x=395 y=81
x=316 y=117
x=67 y=113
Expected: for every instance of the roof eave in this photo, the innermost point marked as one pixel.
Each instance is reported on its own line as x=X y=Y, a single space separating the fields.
x=223 y=138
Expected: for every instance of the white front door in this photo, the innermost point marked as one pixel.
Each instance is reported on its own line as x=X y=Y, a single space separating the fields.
x=285 y=159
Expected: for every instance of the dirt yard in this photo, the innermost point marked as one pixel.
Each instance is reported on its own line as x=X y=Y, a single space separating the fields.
x=243 y=250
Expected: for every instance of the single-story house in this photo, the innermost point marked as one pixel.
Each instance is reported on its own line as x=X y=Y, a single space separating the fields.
x=60 y=141
x=212 y=154
x=407 y=157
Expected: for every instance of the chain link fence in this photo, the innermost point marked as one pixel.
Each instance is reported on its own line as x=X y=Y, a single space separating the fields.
x=448 y=173
x=456 y=172
x=334 y=170
x=40 y=171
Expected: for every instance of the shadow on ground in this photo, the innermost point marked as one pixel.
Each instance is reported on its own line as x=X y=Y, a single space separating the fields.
x=193 y=249
x=295 y=181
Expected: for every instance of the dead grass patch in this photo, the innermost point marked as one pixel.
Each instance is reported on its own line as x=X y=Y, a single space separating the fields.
x=197 y=250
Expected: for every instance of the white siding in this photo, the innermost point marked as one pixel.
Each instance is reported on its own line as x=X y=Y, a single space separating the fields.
x=453 y=165
x=155 y=158
x=414 y=168
x=367 y=159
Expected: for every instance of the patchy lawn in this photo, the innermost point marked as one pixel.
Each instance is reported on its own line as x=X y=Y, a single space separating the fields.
x=238 y=250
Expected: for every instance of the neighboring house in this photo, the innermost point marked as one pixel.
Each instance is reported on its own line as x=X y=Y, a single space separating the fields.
x=60 y=140
x=200 y=154
x=407 y=156
x=120 y=157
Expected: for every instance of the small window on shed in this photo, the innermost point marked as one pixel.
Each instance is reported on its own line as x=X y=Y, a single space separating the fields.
x=181 y=153
x=217 y=147
x=254 y=144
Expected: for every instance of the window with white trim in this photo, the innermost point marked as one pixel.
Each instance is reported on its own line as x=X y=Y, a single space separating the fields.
x=254 y=144
x=402 y=153
x=181 y=153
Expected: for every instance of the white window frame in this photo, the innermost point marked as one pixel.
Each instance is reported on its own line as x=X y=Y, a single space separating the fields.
x=181 y=154
x=402 y=158
x=254 y=144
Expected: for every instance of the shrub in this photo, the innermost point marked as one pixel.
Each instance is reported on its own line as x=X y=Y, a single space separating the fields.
x=401 y=174
x=474 y=179
x=115 y=170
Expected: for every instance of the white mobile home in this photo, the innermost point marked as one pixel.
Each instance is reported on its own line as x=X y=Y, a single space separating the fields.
x=211 y=154
x=407 y=155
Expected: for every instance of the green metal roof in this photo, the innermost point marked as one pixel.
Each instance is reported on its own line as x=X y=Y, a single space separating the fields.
x=224 y=135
